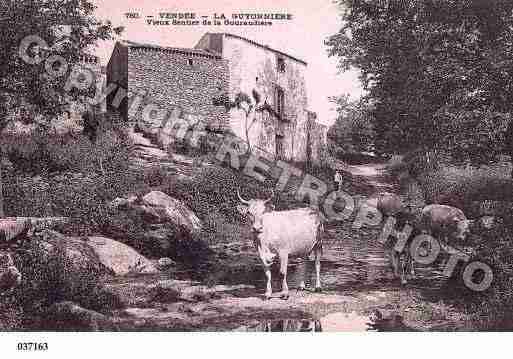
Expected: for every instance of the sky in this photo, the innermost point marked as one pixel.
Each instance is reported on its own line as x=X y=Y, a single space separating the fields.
x=303 y=36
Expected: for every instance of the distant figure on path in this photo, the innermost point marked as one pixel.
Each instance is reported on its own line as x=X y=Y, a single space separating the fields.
x=338 y=180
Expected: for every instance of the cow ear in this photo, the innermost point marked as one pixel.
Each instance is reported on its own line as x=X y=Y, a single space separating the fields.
x=242 y=209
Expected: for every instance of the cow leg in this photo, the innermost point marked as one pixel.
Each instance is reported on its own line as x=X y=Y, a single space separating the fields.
x=403 y=263
x=318 y=270
x=284 y=261
x=269 y=289
x=394 y=259
x=301 y=273
x=411 y=265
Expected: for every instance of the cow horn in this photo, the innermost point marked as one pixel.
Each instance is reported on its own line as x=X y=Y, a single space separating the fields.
x=241 y=199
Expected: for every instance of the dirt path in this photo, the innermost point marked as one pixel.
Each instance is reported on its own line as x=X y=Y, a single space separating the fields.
x=359 y=292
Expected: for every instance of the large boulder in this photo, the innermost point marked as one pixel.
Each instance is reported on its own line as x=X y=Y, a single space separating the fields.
x=101 y=253
x=118 y=257
x=156 y=224
x=157 y=208
x=172 y=210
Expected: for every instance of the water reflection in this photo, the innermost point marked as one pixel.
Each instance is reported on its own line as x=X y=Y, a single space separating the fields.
x=289 y=325
x=336 y=322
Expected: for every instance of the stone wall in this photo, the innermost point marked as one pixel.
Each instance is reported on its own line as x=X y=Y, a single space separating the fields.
x=317 y=152
x=182 y=85
x=255 y=67
x=117 y=73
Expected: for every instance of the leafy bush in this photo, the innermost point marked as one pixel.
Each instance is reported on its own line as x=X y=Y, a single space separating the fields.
x=353 y=130
x=460 y=186
x=491 y=310
x=442 y=181
x=477 y=136
x=207 y=144
x=90 y=177
x=50 y=276
x=10 y=313
x=214 y=189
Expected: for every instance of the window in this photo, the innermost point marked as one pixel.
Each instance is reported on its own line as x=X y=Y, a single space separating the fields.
x=279 y=102
x=190 y=62
x=280 y=63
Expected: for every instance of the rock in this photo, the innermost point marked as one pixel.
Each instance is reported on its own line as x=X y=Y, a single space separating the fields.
x=70 y=316
x=120 y=258
x=76 y=249
x=164 y=294
x=14 y=230
x=101 y=253
x=166 y=262
x=157 y=208
x=10 y=277
x=159 y=219
x=122 y=203
x=150 y=214
x=173 y=210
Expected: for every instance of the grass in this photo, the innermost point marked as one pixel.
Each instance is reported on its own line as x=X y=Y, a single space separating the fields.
x=460 y=186
x=477 y=190
x=50 y=276
x=67 y=175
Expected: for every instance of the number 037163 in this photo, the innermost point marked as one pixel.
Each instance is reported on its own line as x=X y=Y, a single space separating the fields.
x=32 y=346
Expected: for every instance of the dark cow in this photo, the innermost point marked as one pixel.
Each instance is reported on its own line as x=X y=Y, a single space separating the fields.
x=391 y=205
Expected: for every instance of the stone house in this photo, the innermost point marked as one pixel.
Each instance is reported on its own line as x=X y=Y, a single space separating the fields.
x=183 y=83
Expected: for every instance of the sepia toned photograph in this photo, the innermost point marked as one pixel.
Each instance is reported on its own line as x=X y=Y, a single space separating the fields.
x=243 y=166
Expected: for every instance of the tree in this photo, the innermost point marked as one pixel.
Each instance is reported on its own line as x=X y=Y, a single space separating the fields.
x=29 y=85
x=244 y=103
x=353 y=128
x=435 y=71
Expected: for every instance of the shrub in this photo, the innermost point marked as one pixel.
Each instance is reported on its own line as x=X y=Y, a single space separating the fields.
x=443 y=182
x=50 y=276
x=207 y=144
x=214 y=189
x=90 y=177
x=492 y=308
x=460 y=186
x=10 y=313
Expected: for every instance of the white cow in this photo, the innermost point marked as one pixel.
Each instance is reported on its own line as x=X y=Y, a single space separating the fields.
x=284 y=234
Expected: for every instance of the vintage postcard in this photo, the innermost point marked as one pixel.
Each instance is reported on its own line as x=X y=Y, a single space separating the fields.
x=244 y=166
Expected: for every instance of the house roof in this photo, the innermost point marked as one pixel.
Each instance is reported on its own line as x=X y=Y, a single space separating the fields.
x=265 y=47
x=185 y=51
x=206 y=53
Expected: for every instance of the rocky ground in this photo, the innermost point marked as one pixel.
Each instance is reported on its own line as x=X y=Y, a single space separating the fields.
x=359 y=291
